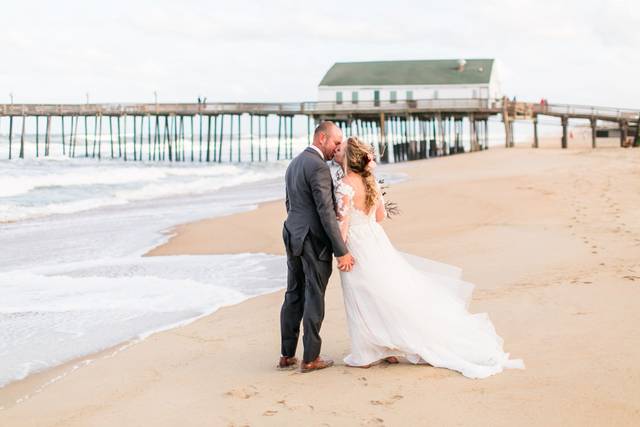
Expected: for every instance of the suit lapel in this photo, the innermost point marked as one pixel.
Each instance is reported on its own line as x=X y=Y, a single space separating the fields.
x=311 y=150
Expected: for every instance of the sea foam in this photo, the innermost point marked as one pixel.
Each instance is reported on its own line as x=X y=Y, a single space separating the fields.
x=56 y=314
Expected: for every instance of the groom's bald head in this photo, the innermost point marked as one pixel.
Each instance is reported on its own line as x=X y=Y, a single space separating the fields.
x=325 y=126
x=327 y=137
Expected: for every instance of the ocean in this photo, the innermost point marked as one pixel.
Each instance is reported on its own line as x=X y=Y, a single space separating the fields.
x=73 y=231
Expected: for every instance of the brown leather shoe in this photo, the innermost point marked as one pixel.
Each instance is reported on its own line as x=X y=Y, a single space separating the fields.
x=287 y=362
x=315 y=365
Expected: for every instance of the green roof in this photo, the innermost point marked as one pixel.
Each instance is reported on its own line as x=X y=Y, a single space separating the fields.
x=425 y=72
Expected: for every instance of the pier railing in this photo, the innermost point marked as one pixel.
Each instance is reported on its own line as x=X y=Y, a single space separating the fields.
x=478 y=105
x=302 y=108
x=586 y=112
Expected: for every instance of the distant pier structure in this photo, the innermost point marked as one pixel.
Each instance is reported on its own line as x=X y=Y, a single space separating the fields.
x=407 y=110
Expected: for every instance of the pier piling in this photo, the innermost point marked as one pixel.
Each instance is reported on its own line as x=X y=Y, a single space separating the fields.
x=37 y=136
x=22 y=138
x=624 y=131
x=565 y=122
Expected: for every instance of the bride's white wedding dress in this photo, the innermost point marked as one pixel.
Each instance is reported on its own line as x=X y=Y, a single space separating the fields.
x=402 y=305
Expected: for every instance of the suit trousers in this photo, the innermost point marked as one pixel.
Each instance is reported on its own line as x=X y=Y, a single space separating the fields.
x=307 y=279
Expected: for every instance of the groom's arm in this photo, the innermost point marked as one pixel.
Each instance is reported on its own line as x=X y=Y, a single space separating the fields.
x=286 y=198
x=320 y=181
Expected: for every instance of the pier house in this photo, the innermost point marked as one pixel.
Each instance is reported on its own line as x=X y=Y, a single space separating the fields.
x=388 y=82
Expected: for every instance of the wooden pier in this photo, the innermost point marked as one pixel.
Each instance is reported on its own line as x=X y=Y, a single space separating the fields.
x=409 y=130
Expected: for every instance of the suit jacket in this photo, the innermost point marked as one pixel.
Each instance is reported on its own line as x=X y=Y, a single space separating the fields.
x=310 y=204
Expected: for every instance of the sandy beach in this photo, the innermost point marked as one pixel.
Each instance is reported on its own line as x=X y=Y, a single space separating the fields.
x=551 y=238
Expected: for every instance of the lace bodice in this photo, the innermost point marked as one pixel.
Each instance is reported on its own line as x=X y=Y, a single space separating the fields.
x=346 y=208
x=348 y=214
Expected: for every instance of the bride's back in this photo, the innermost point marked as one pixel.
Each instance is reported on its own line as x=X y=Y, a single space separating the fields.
x=356 y=182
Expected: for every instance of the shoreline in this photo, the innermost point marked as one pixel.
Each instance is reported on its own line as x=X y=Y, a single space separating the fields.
x=17 y=391
x=534 y=272
x=184 y=239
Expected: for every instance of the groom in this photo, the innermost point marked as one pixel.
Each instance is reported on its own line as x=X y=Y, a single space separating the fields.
x=311 y=235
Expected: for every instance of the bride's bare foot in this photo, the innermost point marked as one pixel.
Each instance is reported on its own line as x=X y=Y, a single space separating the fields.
x=392 y=360
x=361 y=366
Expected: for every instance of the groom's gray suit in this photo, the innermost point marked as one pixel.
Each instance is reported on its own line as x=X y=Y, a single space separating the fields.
x=311 y=235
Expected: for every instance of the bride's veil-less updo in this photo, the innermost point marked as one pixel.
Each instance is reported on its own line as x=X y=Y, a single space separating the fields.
x=357 y=158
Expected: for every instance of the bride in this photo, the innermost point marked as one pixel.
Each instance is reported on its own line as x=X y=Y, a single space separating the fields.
x=399 y=305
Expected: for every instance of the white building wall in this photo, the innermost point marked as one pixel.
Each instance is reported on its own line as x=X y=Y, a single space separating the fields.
x=495 y=87
x=366 y=93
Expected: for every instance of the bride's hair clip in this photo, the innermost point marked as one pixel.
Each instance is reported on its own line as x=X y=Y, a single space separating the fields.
x=366 y=159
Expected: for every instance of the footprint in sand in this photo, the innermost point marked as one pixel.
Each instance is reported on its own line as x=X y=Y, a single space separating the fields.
x=374 y=422
x=269 y=413
x=242 y=393
x=632 y=278
x=284 y=403
x=393 y=399
x=294 y=407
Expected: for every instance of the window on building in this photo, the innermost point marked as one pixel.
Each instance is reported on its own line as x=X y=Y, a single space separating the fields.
x=435 y=94
x=475 y=93
x=409 y=95
x=393 y=96
x=354 y=97
x=376 y=98
x=338 y=97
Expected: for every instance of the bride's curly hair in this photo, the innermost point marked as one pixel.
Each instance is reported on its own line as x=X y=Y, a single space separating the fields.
x=357 y=157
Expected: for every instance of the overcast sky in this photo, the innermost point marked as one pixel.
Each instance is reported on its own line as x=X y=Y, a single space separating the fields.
x=121 y=51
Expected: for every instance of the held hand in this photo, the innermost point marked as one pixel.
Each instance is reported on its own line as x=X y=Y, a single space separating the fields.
x=346 y=262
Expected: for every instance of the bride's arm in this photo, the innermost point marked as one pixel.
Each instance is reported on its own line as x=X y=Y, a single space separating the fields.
x=343 y=200
x=343 y=217
x=381 y=212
